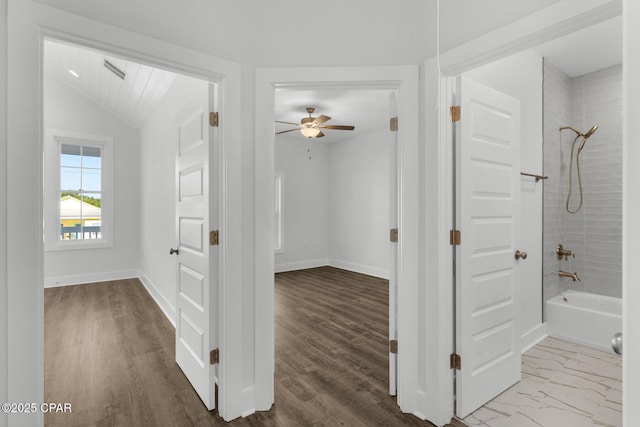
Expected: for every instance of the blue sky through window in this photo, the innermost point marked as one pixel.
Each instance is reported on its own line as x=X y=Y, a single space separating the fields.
x=81 y=169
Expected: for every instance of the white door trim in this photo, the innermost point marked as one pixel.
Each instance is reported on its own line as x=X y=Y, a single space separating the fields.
x=561 y=18
x=405 y=80
x=29 y=24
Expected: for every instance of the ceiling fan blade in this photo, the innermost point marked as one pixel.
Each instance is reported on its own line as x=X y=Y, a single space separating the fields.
x=320 y=135
x=288 y=123
x=337 y=127
x=321 y=119
x=285 y=131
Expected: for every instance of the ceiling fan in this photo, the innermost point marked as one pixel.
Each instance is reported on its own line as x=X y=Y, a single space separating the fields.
x=310 y=126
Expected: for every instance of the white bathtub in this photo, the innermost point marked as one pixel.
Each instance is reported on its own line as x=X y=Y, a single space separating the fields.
x=584 y=318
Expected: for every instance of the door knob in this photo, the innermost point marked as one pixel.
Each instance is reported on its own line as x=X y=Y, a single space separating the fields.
x=174 y=251
x=521 y=255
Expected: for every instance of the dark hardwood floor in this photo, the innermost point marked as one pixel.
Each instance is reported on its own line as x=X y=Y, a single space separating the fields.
x=109 y=351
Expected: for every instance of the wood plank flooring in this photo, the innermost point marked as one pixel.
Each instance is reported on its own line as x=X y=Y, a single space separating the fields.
x=109 y=351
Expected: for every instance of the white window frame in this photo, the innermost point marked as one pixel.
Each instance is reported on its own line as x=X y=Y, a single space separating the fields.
x=52 y=145
x=278 y=212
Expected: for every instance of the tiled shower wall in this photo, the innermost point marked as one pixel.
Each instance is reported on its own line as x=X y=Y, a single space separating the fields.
x=595 y=233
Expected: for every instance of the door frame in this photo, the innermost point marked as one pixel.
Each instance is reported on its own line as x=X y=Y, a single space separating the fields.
x=556 y=20
x=29 y=24
x=404 y=79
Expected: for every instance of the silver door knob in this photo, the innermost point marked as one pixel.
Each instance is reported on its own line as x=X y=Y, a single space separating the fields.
x=521 y=255
x=174 y=251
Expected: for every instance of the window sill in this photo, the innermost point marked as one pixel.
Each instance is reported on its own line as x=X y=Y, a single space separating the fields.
x=77 y=245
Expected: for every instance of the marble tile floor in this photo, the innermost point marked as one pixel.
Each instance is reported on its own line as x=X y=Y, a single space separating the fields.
x=563 y=385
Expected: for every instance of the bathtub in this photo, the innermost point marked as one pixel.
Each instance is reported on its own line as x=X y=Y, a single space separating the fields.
x=586 y=319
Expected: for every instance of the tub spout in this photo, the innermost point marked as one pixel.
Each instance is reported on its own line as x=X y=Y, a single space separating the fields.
x=574 y=275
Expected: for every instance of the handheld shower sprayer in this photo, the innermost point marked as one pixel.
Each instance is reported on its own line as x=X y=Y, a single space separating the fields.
x=584 y=136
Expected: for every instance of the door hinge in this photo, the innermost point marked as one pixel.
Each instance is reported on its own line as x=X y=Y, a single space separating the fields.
x=455 y=361
x=393 y=235
x=393 y=346
x=393 y=124
x=455 y=237
x=454 y=113
x=214 y=357
x=214 y=238
x=213 y=119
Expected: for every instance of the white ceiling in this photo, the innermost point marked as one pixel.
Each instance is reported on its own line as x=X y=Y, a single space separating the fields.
x=590 y=49
x=366 y=109
x=132 y=99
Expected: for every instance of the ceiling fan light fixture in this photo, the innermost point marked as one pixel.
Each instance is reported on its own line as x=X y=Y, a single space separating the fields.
x=310 y=132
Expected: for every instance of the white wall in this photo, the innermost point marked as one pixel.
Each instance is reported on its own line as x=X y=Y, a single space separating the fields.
x=67 y=110
x=3 y=206
x=305 y=203
x=157 y=190
x=336 y=205
x=520 y=76
x=631 y=211
x=359 y=204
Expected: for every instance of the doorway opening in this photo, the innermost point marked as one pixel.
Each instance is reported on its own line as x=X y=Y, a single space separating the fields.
x=333 y=255
x=400 y=79
x=553 y=81
x=128 y=183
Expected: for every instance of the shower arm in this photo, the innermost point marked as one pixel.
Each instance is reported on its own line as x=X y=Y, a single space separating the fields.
x=573 y=129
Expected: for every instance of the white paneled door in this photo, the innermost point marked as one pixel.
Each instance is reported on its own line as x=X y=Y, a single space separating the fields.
x=196 y=215
x=487 y=214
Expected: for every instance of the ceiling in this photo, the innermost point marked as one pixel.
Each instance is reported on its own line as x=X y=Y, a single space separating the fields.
x=132 y=100
x=592 y=48
x=366 y=109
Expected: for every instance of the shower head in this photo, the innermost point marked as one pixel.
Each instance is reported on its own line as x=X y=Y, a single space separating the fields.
x=586 y=136
x=590 y=132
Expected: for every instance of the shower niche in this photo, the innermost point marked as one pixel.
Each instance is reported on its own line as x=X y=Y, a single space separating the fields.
x=589 y=224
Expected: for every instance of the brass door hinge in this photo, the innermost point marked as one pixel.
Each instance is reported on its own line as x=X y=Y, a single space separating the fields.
x=393 y=346
x=393 y=235
x=455 y=361
x=214 y=238
x=393 y=124
x=454 y=113
x=214 y=357
x=455 y=237
x=213 y=119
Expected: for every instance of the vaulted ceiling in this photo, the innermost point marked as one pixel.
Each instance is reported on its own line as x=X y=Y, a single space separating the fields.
x=132 y=99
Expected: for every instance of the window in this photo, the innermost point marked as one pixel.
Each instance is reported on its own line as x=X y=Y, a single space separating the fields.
x=279 y=185
x=78 y=212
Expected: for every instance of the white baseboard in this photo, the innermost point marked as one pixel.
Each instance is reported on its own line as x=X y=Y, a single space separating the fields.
x=359 y=268
x=345 y=265
x=533 y=336
x=165 y=305
x=300 y=265
x=79 y=279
